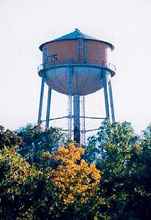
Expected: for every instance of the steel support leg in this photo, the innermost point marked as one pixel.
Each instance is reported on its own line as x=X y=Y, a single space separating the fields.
x=69 y=88
x=76 y=104
x=83 y=119
x=69 y=117
x=106 y=95
x=41 y=100
x=111 y=101
x=48 y=108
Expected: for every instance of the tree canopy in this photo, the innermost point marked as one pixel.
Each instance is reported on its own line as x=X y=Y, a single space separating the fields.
x=42 y=176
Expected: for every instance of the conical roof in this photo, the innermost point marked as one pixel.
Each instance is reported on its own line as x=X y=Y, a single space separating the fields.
x=75 y=35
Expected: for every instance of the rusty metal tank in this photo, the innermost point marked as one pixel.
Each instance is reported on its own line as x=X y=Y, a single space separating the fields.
x=79 y=55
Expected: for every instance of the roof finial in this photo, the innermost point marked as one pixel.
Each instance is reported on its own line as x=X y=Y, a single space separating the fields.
x=76 y=29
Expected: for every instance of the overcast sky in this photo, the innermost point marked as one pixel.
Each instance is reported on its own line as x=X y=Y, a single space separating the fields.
x=25 y=24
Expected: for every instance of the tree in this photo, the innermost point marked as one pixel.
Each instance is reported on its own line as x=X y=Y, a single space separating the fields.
x=8 y=138
x=66 y=185
x=76 y=180
x=14 y=176
x=138 y=202
x=36 y=140
x=113 y=144
x=25 y=192
x=124 y=159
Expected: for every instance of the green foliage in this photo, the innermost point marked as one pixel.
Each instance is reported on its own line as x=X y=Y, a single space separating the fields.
x=15 y=174
x=36 y=140
x=8 y=138
x=115 y=142
x=28 y=191
x=25 y=191
x=125 y=160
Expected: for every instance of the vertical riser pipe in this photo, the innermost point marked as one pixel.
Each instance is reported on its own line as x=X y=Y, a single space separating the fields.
x=76 y=104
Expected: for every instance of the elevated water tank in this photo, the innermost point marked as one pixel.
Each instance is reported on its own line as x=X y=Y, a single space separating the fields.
x=88 y=58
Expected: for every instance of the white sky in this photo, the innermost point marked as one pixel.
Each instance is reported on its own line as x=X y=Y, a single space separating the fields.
x=25 y=24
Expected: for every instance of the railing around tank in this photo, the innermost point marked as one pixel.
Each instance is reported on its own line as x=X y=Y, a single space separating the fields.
x=109 y=66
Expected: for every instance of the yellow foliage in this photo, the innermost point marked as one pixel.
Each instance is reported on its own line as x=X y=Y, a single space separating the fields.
x=71 y=152
x=76 y=179
x=20 y=170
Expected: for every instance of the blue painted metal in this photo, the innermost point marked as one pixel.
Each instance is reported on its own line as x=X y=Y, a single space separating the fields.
x=41 y=100
x=106 y=95
x=76 y=80
x=48 y=108
x=110 y=67
x=76 y=95
x=111 y=101
x=83 y=117
x=76 y=106
x=69 y=88
x=76 y=34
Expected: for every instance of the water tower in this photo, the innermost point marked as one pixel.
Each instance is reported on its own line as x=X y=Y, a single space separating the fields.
x=76 y=65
